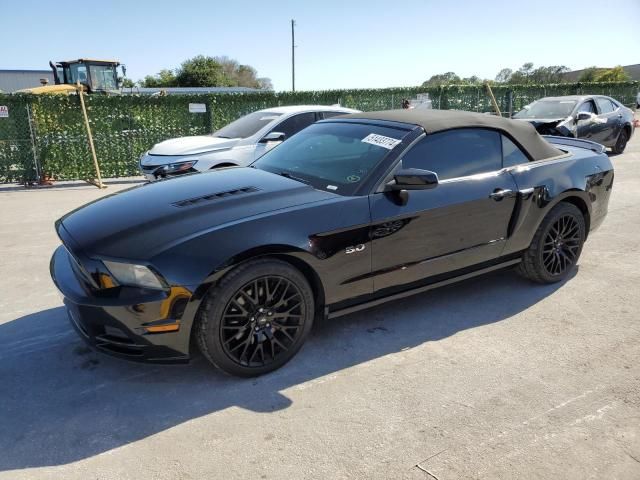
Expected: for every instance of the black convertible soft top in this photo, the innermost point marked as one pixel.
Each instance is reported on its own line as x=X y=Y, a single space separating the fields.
x=439 y=120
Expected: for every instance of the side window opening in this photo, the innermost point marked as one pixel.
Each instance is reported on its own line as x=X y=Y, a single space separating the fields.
x=294 y=124
x=605 y=105
x=511 y=153
x=587 y=106
x=457 y=153
x=326 y=115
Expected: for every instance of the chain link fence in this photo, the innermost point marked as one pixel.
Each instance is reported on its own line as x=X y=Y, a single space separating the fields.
x=18 y=141
x=44 y=136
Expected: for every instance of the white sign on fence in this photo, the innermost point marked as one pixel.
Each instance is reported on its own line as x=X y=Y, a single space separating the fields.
x=198 y=107
x=4 y=111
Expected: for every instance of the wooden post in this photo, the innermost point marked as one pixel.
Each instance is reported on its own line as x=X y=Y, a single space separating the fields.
x=90 y=137
x=34 y=150
x=493 y=100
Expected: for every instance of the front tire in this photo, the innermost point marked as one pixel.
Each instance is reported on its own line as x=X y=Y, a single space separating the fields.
x=256 y=319
x=556 y=245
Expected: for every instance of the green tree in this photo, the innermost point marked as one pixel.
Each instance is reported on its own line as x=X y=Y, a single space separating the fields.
x=615 y=74
x=164 y=78
x=201 y=71
x=589 y=74
x=242 y=75
x=265 y=83
x=550 y=74
x=504 y=75
x=447 y=78
x=521 y=76
x=472 y=80
x=128 y=83
x=527 y=74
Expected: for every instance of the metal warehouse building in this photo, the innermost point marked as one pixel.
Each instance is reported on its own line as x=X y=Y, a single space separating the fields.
x=12 y=80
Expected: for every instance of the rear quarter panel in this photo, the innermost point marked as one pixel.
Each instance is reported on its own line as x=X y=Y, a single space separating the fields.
x=582 y=177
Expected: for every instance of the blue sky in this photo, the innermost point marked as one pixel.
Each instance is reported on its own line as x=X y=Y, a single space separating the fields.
x=341 y=44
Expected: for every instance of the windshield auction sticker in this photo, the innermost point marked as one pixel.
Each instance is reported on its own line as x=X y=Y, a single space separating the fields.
x=381 y=141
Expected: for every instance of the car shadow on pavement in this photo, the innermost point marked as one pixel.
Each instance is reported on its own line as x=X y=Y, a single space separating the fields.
x=61 y=402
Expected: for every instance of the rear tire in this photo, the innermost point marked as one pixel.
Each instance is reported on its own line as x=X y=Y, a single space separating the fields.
x=556 y=245
x=621 y=143
x=256 y=319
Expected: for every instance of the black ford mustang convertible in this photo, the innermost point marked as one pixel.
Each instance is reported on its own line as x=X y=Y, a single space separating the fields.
x=346 y=214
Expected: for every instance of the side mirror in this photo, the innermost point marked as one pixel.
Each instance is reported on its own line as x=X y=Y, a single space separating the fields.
x=413 y=179
x=273 y=137
x=583 y=116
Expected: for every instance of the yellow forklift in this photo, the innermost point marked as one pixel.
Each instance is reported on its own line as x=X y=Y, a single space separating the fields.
x=95 y=76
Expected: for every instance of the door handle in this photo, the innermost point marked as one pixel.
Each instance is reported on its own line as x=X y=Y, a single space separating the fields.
x=499 y=194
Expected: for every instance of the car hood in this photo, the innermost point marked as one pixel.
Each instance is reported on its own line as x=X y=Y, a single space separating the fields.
x=564 y=126
x=540 y=120
x=143 y=221
x=192 y=145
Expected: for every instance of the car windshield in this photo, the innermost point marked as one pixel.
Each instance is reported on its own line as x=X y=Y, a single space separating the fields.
x=103 y=77
x=547 y=109
x=246 y=126
x=335 y=156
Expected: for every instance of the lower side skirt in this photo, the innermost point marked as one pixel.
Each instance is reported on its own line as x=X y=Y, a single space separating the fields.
x=414 y=291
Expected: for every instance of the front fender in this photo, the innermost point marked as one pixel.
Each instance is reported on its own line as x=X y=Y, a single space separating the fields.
x=289 y=253
x=314 y=238
x=198 y=270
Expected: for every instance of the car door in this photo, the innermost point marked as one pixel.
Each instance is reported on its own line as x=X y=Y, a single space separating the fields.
x=607 y=126
x=289 y=126
x=461 y=222
x=585 y=128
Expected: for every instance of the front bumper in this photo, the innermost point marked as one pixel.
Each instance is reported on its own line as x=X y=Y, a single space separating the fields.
x=116 y=324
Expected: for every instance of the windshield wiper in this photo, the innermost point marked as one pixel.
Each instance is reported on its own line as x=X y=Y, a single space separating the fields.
x=293 y=177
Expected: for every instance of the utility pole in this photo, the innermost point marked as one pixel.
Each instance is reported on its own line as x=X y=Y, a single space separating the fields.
x=293 y=56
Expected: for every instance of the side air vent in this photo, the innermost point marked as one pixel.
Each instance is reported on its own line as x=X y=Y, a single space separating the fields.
x=214 y=196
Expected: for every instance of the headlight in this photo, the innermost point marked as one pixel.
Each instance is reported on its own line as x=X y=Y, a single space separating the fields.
x=134 y=275
x=179 y=167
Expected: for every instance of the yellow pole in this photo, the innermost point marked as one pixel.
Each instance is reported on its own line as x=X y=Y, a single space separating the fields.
x=493 y=99
x=90 y=137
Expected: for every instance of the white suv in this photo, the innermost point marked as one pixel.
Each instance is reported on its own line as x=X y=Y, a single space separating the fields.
x=239 y=143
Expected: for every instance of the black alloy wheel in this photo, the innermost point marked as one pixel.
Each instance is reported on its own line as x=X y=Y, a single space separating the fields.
x=262 y=320
x=561 y=245
x=556 y=245
x=256 y=319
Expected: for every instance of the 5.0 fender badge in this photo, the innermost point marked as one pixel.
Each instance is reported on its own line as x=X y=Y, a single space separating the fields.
x=357 y=248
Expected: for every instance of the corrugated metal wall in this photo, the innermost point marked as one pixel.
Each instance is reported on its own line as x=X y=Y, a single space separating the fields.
x=12 y=80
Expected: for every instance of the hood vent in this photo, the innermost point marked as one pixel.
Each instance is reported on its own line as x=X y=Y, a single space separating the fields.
x=214 y=196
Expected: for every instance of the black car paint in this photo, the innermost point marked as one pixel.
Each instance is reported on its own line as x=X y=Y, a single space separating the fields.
x=354 y=250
